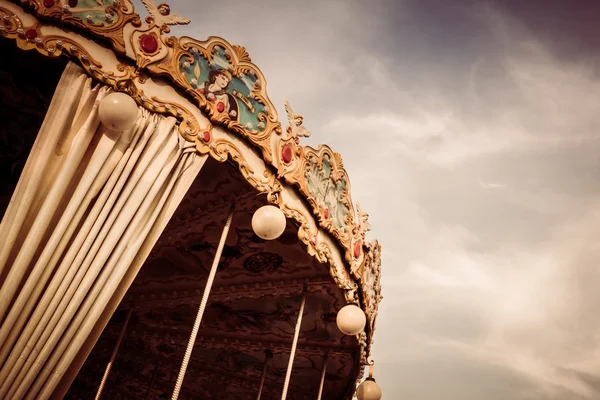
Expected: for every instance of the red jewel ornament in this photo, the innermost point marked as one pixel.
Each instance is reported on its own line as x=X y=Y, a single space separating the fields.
x=48 y=3
x=326 y=213
x=73 y=3
x=31 y=34
x=286 y=154
x=220 y=106
x=357 y=247
x=148 y=44
x=206 y=136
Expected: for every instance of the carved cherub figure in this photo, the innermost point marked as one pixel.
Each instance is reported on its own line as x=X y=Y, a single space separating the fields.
x=363 y=219
x=295 y=128
x=161 y=15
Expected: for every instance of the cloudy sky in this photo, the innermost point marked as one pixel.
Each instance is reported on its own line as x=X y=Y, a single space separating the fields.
x=471 y=132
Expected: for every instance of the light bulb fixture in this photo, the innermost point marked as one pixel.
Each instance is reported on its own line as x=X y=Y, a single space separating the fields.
x=268 y=222
x=118 y=112
x=369 y=389
x=351 y=320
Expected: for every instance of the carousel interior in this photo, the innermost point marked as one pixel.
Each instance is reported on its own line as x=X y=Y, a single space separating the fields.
x=255 y=298
x=252 y=309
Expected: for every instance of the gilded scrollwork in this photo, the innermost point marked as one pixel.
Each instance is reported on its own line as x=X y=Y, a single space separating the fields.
x=220 y=77
x=370 y=282
x=225 y=84
x=30 y=38
x=160 y=15
x=295 y=128
x=104 y=19
x=126 y=78
x=363 y=220
x=320 y=176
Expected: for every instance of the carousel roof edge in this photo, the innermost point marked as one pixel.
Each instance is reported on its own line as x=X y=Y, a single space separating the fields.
x=224 y=82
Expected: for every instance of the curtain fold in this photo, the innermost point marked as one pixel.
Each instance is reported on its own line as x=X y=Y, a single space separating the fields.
x=175 y=197
x=91 y=227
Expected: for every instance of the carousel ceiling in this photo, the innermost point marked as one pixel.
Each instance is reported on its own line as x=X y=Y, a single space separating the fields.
x=252 y=309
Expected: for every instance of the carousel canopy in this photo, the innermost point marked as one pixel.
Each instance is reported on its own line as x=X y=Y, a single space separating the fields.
x=135 y=308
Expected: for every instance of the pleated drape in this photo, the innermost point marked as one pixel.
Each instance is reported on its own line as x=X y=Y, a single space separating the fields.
x=88 y=208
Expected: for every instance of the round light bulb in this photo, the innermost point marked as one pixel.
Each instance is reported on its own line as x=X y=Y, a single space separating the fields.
x=268 y=222
x=118 y=112
x=351 y=320
x=368 y=390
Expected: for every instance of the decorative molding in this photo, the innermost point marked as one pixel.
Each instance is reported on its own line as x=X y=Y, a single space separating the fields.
x=370 y=283
x=320 y=176
x=105 y=21
x=126 y=79
x=220 y=77
x=226 y=85
x=288 y=288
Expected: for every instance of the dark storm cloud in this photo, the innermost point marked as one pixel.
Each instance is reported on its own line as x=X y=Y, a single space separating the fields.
x=571 y=28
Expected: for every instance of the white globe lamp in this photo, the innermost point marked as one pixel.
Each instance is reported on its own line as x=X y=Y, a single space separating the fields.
x=118 y=112
x=368 y=390
x=268 y=222
x=351 y=320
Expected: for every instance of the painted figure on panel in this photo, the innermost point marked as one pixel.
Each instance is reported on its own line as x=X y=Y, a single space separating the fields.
x=215 y=89
x=327 y=192
x=233 y=93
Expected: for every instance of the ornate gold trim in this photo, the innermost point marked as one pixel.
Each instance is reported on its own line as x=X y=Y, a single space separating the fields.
x=370 y=284
x=254 y=116
x=320 y=176
x=190 y=64
x=105 y=22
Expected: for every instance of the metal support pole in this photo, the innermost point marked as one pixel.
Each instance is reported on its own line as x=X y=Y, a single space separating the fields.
x=209 y=282
x=293 y=351
x=268 y=355
x=113 y=355
x=323 y=372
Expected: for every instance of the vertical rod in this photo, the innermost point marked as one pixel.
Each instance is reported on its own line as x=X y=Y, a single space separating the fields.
x=323 y=372
x=268 y=355
x=288 y=374
x=113 y=355
x=209 y=282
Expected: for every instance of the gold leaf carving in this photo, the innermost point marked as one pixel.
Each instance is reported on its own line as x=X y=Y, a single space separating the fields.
x=241 y=53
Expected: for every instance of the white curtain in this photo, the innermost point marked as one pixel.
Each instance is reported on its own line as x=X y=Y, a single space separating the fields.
x=89 y=206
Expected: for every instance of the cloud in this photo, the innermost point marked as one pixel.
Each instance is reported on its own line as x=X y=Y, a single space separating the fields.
x=531 y=313
x=521 y=305
x=492 y=185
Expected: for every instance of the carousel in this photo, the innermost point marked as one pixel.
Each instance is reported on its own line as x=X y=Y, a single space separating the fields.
x=162 y=235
